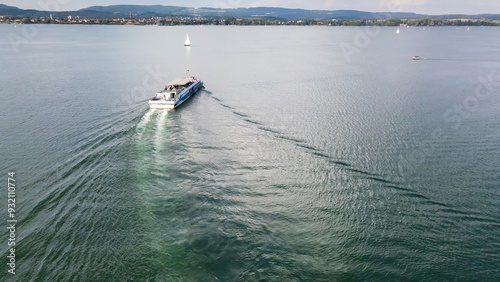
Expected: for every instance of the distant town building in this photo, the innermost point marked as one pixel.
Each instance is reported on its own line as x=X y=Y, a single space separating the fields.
x=129 y=19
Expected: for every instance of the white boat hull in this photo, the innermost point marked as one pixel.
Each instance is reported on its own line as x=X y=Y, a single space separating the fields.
x=161 y=105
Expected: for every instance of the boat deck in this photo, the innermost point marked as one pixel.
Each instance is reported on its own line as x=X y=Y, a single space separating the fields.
x=175 y=93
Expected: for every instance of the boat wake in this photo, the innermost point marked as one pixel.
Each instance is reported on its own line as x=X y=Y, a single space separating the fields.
x=305 y=146
x=145 y=119
x=378 y=181
x=159 y=138
x=206 y=91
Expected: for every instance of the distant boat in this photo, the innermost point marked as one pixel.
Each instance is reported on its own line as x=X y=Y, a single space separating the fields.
x=416 y=58
x=468 y=28
x=187 y=42
x=397 y=31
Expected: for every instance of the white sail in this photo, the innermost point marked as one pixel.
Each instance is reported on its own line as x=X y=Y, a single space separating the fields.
x=187 y=42
x=397 y=31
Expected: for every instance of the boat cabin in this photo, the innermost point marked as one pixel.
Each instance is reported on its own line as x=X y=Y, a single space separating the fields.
x=173 y=88
x=179 y=84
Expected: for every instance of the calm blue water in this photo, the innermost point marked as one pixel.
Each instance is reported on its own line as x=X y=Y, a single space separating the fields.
x=312 y=154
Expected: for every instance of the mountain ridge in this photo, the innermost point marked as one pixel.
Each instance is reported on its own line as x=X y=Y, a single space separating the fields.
x=147 y=11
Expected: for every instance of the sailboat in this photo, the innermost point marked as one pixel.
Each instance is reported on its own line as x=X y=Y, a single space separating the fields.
x=468 y=28
x=397 y=31
x=187 y=42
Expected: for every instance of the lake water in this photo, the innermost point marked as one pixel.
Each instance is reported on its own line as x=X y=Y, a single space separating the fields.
x=312 y=154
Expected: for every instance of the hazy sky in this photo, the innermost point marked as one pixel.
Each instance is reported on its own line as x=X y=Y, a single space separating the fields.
x=417 y=6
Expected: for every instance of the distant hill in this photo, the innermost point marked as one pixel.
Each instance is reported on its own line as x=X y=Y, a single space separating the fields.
x=14 y=11
x=147 y=11
x=258 y=12
x=138 y=10
x=487 y=17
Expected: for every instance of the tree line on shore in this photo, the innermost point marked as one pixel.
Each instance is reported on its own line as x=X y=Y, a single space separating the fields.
x=256 y=21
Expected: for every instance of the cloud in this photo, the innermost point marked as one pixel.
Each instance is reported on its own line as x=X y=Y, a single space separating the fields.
x=399 y=5
x=403 y=2
x=311 y=4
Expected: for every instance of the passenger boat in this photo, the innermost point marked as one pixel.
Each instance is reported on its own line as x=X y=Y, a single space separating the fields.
x=176 y=92
x=416 y=58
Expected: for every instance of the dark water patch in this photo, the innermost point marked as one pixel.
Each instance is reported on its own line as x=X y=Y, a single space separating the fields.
x=252 y=121
x=288 y=138
x=400 y=188
x=470 y=217
x=453 y=211
x=361 y=172
x=258 y=167
x=320 y=154
x=371 y=176
x=480 y=219
x=280 y=186
x=308 y=147
x=378 y=179
x=337 y=162
x=435 y=203
x=415 y=195
x=407 y=192
x=269 y=130
x=226 y=106
x=240 y=114
x=221 y=102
